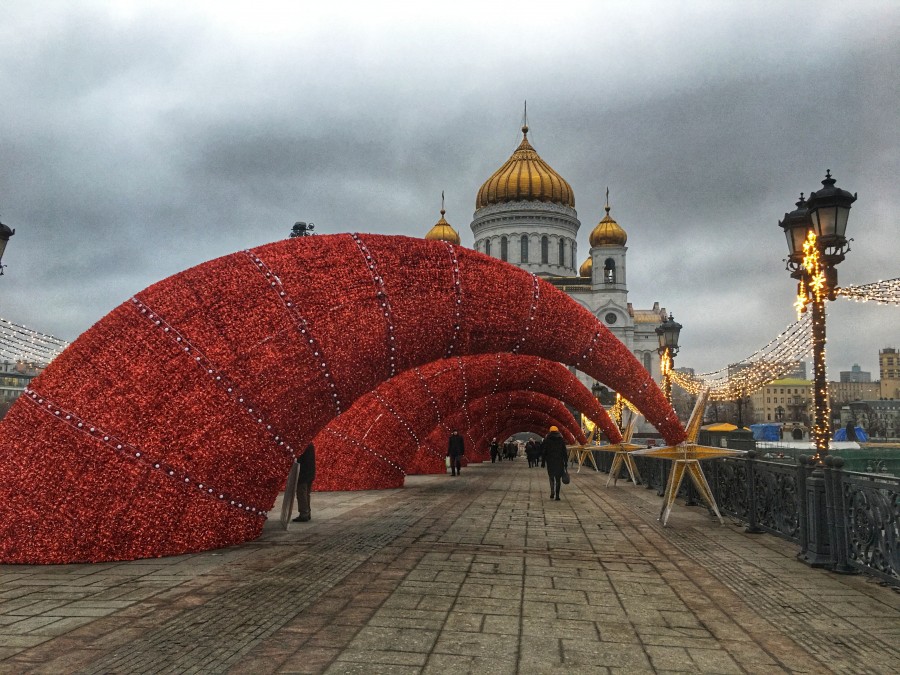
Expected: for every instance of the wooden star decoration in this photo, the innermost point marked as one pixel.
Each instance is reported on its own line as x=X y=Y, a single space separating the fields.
x=686 y=458
x=623 y=456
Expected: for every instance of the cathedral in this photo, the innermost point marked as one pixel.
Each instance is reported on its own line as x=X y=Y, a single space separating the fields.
x=525 y=214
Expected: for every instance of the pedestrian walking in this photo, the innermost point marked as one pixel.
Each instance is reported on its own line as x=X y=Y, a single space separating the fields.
x=495 y=451
x=553 y=449
x=306 y=464
x=455 y=450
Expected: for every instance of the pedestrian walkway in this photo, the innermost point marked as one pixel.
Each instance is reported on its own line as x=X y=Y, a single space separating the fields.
x=479 y=573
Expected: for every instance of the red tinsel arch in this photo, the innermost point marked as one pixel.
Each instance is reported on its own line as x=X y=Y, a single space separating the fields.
x=171 y=424
x=381 y=434
x=541 y=408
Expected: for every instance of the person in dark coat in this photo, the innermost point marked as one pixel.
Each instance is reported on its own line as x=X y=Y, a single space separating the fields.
x=555 y=455
x=531 y=452
x=305 y=476
x=455 y=450
x=495 y=451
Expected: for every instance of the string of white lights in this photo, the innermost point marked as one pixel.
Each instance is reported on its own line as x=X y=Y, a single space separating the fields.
x=880 y=292
x=772 y=361
x=20 y=343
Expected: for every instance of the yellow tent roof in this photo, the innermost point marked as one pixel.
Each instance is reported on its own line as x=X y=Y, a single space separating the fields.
x=725 y=426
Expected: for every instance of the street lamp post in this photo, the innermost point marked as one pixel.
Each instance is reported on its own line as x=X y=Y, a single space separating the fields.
x=5 y=233
x=668 y=333
x=302 y=229
x=817 y=243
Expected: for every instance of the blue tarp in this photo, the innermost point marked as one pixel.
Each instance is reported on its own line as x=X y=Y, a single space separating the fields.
x=841 y=435
x=766 y=432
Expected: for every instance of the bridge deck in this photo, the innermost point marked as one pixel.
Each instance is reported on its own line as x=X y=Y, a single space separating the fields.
x=480 y=573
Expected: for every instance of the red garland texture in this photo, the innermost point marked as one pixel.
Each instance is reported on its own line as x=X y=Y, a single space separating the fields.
x=171 y=424
x=381 y=437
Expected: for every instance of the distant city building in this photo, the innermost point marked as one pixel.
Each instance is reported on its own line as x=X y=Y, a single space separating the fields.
x=840 y=393
x=798 y=372
x=788 y=400
x=889 y=367
x=880 y=418
x=855 y=374
x=14 y=377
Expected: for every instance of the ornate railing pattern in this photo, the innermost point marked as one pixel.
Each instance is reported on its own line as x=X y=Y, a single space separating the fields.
x=872 y=514
x=845 y=521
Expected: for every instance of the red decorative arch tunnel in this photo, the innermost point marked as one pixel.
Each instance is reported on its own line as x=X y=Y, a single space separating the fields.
x=380 y=438
x=171 y=424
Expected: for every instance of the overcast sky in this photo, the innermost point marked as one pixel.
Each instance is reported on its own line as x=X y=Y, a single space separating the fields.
x=140 y=138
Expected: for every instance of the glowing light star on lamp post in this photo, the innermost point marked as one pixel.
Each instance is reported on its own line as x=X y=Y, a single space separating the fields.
x=668 y=333
x=817 y=242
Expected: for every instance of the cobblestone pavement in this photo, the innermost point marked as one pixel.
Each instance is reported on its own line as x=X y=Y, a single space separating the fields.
x=480 y=573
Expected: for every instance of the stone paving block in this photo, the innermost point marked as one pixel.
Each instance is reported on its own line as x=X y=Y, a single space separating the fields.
x=669 y=658
x=556 y=595
x=25 y=640
x=436 y=602
x=485 y=645
x=62 y=626
x=25 y=626
x=501 y=624
x=454 y=664
x=559 y=628
x=380 y=658
x=465 y=621
x=714 y=660
x=596 y=654
x=394 y=639
x=487 y=605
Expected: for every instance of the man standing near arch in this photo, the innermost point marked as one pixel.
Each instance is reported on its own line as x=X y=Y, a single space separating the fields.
x=455 y=451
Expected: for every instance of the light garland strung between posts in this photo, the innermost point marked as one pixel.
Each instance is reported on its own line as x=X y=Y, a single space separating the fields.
x=880 y=292
x=20 y=343
x=769 y=363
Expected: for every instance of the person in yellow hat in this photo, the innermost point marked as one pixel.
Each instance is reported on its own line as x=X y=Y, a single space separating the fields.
x=553 y=448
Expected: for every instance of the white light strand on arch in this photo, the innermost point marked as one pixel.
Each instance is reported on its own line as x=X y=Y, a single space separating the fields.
x=880 y=292
x=740 y=379
x=20 y=343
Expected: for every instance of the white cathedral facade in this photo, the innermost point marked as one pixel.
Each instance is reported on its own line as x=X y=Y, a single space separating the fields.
x=525 y=214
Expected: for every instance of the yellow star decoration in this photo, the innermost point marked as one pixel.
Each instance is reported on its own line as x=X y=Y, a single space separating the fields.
x=686 y=458
x=622 y=454
x=579 y=453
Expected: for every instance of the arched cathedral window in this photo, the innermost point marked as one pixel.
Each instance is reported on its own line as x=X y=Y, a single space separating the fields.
x=609 y=271
x=504 y=249
x=562 y=251
x=648 y=364
x=572 y=249
x=545 y=249
x=524 y=248
x=487 y=246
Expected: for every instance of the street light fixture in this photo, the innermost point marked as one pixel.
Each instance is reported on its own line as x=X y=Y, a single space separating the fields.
x=817 y=242
x=668 y=333
x=302 y=229
x=5 y=233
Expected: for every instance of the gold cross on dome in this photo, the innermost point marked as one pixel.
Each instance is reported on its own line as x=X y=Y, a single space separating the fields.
x=686 y=458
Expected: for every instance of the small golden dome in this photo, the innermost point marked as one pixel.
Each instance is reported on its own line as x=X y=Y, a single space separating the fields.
x=608 y=232
x=525 y=177
x=442 y=230
x=587 y=268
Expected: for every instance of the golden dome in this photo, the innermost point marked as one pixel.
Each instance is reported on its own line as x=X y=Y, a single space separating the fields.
x=525 y=177
x=442 y=230
x=587 y=268
x=608 y=232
